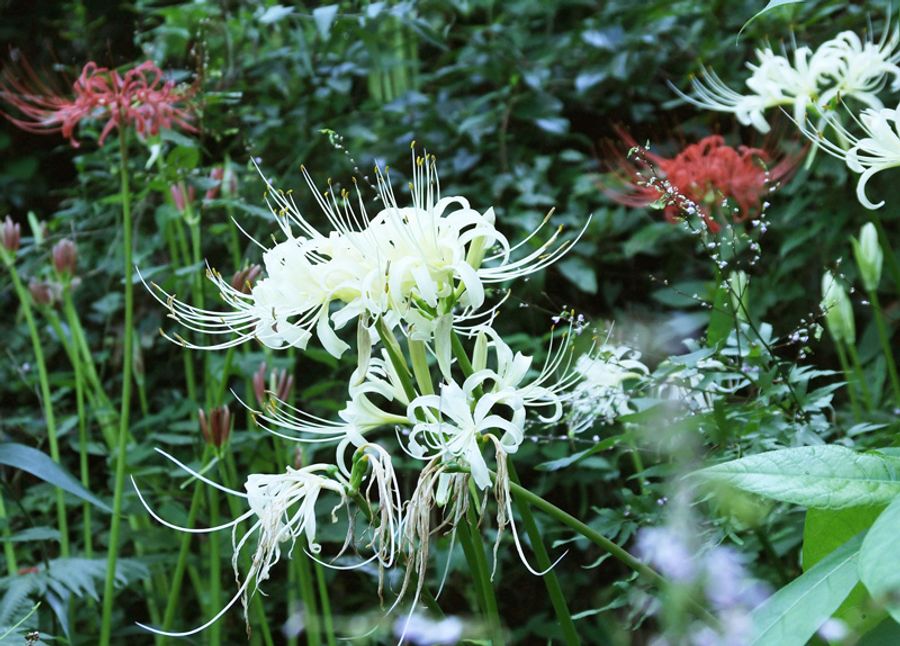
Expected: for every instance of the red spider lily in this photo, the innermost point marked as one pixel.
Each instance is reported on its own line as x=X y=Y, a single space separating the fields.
x=719 y=180
x=140 y=99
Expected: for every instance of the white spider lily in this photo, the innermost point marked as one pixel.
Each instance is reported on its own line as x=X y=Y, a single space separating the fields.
x=413 y=264
x=878 y=150
x=449 y=427
x=282 y=509
x=844 y=66
x=601 y=395
x=507 y=379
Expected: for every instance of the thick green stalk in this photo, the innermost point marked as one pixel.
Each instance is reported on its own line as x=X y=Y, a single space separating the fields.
x=44 y=382
x=419 y=360
x=885 y=242
x=215 y=568
x=618 y=553
x=12 y=567
x=554 y=590
x=395 y=354
x=84 y=467
x=327 y=621
x=181 y=562
x=122 y=440
x=885 y=338
x=307 y=591
x=469 y=537
x=851 y=388
x=860 y=376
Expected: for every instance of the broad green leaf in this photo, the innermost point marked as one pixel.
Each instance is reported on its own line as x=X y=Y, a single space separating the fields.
x=41 y=466
x=324 y=19
x=825 y=477
x=887 y=633
x=794 y=613
x=879 y=559
x=823 y=532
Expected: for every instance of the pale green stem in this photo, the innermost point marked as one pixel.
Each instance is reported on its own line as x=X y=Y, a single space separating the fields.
x=327 y=622
x=12 y=568
x=618 y=553
x=43 y=379
x=84 y=467
x=554 y=590
x=469 y=537
x=851 y=387
x=215 y=568
x=419 y=359
x=860 y=376
x=884 y=337
x=122 y=440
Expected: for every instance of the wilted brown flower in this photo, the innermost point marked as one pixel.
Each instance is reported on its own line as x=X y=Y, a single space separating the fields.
x=217 y=428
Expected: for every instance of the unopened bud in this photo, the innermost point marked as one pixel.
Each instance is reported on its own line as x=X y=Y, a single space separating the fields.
x=217 y=428
x=215 y=175
x=280 y=384
x=65 y=257
x=178 y=196
x=242 y=280
x=12 y=234
x=869 y=257
x=838 y=310
x=43 y=292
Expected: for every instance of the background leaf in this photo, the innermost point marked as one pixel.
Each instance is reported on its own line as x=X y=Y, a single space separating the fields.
x=41 y=466
x=793 y=614
x=879 y=559
x=826 y=477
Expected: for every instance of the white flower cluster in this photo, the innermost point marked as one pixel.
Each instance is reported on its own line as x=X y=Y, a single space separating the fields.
x=843 y=67
x=421 y=270
x=602 y=395
x=817 y=82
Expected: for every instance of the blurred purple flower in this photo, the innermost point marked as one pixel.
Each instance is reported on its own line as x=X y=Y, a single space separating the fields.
x=665 y=549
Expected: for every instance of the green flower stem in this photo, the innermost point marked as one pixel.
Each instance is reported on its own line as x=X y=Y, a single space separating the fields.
x=215 y=567
x=21 y=292
x=851 y=388
x=884 y=337
x=860 y=376
x=327 y=621
x=554 y=590
x=395 y=354
x=307 y=592
x=184 y=549
x=12 y=567
x=618 y=553
x=419 y=361
x=122 y=440
x=885 y=242
x=474 y=551
x=84 y=467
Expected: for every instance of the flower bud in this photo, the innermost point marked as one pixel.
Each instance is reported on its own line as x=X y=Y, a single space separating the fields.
x=11 y=235
x=216 y=175
x=280 y=384
x=242 y=280
x=178 y=196
x=65 y=257
x=838 y=310
x=217 y=428
x=869 y=257
x=43 y=292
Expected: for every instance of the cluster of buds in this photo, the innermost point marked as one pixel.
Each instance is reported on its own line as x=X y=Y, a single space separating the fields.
x=140 y=98
x=243 y=279
x=216 y=428
x=224 y=180
x=182 y=197
x=44 y=292
x=65 y=258
x=279 y=384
